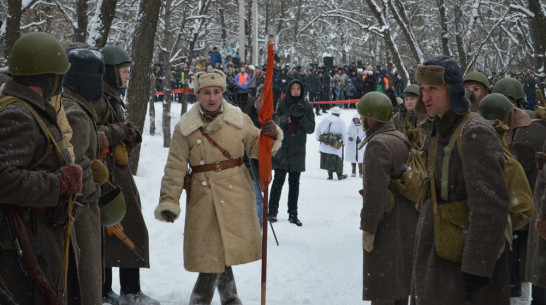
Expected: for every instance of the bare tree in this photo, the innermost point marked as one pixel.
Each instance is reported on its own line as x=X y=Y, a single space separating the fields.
x=142 y=55
x=99 y=27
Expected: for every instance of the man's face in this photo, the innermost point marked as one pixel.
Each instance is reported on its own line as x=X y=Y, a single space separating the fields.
x=125 y=76
x=210 y=98
x=410 y=102
x=436 y=99
x=479 y=89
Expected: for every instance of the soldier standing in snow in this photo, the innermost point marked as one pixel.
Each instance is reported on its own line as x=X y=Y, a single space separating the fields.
x=122 y=137
x=221 y=228
x=332 y=133
x=387 y=219
x=472 y=187
x=355 y=135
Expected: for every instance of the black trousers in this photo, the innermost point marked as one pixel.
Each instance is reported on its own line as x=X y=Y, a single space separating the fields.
x=538 y=295
x=293 y=191
x=515 y=258
x=129 y=280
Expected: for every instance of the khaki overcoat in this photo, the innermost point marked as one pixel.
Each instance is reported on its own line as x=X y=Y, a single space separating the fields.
x=221 y=228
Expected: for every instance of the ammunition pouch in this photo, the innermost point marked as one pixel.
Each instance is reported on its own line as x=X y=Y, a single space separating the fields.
x=100 y=172
x=121 y=156
x=450 y=227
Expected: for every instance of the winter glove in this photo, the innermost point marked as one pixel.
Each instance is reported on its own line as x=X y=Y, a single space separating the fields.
x=472 y=283
x=367 y=241
x=296 y=111
x=269 y=129
x=168 y=216
x=103 y=141
x=130 y=132
x=351 y=139
x=541 y=224
x=70 y=179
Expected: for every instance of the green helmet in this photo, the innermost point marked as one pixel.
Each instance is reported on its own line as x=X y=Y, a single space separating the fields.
x=112 y=207
x=495 y=106
x=375 y=105
x=37 y=53
x=413 y=88
x=478 y=77
x=510 y=87
x=115 y=56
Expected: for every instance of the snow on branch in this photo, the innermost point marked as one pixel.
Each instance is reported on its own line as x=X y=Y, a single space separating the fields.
x=521 y=9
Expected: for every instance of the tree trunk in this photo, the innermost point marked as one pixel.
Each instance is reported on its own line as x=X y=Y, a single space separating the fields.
x=221 y=14
x=443 y=23
x=404 y=23
x=538 y=33
x=143 y=48
x=167 y=93
x=12 y=24
x=389 y=41
x=459 y=36
x=80 y=34
x=102 y=28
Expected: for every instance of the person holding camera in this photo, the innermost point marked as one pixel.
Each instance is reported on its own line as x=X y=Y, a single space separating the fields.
x=297 y=119
x=331 y=133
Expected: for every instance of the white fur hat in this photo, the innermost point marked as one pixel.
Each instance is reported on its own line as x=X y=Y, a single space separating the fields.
x=336 y=110
x=214 y=78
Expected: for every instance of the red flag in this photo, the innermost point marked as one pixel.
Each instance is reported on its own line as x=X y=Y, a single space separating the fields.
x=266 y=113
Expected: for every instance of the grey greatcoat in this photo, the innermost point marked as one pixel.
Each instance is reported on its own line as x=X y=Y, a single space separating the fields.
x=387 y=268
x=221 y=228
x=477 y=176
x=536 y=245
x=82 y=118
x=22 y=144
x=116 y=254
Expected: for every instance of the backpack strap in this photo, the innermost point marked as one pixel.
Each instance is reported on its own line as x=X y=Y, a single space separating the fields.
x=51 y=142
x=448 y=150
x=398 y=135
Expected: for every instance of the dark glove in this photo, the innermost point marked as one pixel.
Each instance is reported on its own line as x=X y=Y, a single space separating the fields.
x=70 y=179
x=130 y=132
x=541 y=224
x=269 y=129
x=472 y=283
x=296 y=111
x=351 y=139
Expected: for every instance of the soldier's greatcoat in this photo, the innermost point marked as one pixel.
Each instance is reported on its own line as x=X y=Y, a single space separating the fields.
x=387 y=268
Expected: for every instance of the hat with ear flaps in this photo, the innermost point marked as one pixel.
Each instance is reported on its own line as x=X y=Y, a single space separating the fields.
x=214 y=78
x=443 y=70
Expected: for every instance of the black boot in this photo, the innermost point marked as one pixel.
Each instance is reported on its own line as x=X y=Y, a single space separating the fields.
x=272 y=218
x=341 y=176
x=293 y=218
x=330 y=175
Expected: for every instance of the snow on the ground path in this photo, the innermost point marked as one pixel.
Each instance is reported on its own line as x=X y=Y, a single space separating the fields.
x=319 y=263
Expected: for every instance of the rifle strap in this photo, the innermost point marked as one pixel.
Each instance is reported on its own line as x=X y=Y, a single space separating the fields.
x=224 y=152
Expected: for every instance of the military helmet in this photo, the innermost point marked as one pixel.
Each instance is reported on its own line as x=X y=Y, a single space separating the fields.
x=37 y=53
x=478 y=77
x=375 y=105
x=115 y=56
x=413 y=88
x=112 y=207
x=495 y=106
x=510 y=87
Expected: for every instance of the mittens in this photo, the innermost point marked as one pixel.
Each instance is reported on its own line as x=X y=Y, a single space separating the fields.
x=367 y=241
x=70 y=179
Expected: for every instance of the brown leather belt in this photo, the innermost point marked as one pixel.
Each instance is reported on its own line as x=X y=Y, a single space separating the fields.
x=217 y=166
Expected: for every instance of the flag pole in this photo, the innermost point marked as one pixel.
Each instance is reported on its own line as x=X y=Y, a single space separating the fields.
x=265 y=184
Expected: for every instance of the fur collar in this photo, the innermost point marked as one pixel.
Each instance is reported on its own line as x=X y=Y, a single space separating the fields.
x=191 y=120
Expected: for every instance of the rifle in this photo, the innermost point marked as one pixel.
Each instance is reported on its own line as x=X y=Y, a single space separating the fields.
x=21 y=238
x=117 y=229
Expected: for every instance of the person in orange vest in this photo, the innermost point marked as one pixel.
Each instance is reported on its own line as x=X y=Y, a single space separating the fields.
x=242 y=80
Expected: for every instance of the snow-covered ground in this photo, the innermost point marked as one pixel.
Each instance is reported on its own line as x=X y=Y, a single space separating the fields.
x=319 y=263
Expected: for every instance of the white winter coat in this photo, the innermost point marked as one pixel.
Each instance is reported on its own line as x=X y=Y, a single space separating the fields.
x=337 y=127
x=355 y=132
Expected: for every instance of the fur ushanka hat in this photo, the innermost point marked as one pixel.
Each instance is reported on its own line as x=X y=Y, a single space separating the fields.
x=214 y=78
x=443 y=70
